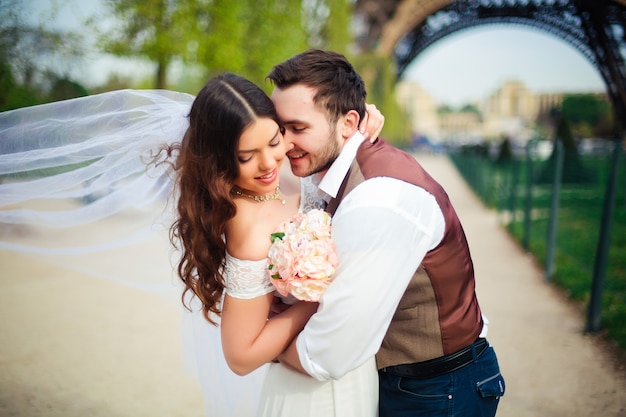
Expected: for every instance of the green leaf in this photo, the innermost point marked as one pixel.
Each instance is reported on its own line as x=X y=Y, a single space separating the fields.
x=277 y=235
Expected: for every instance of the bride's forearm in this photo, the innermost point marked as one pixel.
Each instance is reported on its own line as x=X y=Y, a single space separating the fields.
x=289 y=357
x=249 y=343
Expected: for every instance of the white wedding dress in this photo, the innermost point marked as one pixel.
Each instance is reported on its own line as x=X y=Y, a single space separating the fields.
x=287 y=393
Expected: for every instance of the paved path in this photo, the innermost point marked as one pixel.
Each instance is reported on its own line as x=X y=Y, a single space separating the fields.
x=551 y=368
x=73 y=345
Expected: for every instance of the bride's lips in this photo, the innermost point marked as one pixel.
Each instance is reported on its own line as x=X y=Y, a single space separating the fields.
x=269 y=177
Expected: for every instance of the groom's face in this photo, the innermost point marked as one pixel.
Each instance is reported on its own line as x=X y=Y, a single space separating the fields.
x=316 y=143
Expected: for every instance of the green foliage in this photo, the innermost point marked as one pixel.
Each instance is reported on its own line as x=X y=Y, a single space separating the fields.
x=273 y=32
x=18 y=96
x=588 y=114
x=32 y=59
x=12 y=95
x=251 y=37
x=114 y=82
x=564 y=134
x=574 y=170
x=505 y=154
x=337 y=26
x=64 y=89
x=379 y=75
x=215 y=36
x=444 y=109
x=148 y=28
x=245 y=36
x=584 y=108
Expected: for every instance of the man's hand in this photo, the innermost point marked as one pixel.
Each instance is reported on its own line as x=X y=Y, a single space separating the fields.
x=372 y=123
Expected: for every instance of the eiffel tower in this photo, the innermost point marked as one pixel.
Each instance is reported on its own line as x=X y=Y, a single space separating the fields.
x=596 y=28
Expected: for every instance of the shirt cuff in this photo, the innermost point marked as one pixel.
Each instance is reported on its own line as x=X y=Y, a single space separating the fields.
x=310 y=367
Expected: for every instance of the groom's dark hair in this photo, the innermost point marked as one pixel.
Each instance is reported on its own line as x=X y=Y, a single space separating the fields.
x=339 y=87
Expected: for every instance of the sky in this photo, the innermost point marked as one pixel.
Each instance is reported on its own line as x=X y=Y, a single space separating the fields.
x=472 y=64
x=462 y=68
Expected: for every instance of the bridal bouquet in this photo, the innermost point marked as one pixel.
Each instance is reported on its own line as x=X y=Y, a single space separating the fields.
x=302 y=258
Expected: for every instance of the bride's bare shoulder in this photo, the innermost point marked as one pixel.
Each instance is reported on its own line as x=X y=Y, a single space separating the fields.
x=247 y=236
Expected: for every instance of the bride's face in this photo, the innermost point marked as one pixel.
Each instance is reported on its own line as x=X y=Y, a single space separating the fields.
x=260 y=154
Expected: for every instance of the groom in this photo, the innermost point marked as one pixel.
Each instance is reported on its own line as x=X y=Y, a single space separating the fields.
x=405 y=287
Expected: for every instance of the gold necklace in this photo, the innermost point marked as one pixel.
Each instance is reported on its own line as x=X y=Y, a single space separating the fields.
x=260 y=198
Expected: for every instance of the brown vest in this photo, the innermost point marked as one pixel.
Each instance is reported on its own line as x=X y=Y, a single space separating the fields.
x=439 y=312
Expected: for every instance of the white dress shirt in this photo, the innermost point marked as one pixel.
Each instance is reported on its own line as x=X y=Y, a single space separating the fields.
x=382 y=231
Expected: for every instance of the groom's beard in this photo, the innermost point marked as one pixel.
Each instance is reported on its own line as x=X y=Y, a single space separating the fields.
x=318 y=162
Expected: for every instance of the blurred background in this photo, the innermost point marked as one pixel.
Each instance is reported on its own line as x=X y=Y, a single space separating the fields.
x=459 y=89
x=519 y=95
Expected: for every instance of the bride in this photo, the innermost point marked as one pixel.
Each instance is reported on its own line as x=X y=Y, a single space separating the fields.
x=228 y=201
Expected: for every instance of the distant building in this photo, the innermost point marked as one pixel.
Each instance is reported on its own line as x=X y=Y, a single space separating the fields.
x=512 y=110
x=421 y=110
x=461 y=126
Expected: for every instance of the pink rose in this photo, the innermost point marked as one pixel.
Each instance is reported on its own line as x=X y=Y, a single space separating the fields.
x=302 y=259
x=309 y=289
x=316 y=259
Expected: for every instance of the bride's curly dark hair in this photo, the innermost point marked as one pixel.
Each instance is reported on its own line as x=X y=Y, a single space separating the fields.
x=206 y=167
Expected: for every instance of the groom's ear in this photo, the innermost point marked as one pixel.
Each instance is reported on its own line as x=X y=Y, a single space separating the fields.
x=349 y=124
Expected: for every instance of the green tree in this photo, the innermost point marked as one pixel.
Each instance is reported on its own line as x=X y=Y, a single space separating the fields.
x=573 y=169
x=327 y=23
x=31 y=58
x=247 y=37
x=114 y=82
x=12 y=94
x=147 y=28
x=588 y=113
x=470 y=108
x=337 y=29
x=379 y=75
x=505 y=153
x=64 y=89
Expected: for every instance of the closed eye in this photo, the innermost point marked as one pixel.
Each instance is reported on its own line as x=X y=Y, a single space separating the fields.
x=276 y=141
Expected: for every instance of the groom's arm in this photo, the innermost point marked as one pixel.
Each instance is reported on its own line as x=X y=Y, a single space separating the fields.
x=381 y=238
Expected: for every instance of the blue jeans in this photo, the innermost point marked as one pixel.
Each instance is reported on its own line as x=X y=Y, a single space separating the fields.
x=472 y=391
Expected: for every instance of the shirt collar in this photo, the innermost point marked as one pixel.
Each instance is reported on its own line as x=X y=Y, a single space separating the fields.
x=335 y=175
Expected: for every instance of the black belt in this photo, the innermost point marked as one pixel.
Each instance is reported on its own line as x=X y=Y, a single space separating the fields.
x=442 y=365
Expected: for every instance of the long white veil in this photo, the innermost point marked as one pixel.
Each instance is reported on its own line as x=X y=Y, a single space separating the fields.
x=75 y=180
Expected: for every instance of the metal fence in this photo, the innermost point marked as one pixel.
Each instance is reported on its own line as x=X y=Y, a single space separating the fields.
x=566 y=207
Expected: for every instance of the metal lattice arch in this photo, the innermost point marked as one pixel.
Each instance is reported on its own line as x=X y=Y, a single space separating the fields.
x=596 y=28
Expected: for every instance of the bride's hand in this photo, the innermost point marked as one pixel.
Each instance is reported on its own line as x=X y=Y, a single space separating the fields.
x=372 y=123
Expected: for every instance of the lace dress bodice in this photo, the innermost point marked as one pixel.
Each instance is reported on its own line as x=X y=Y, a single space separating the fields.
x=247 y=279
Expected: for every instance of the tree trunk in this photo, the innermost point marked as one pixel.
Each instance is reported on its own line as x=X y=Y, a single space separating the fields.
x=161 y=75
